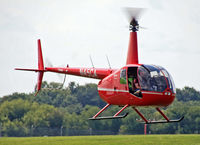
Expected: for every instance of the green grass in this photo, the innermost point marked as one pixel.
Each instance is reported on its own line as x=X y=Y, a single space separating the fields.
x=105 y=140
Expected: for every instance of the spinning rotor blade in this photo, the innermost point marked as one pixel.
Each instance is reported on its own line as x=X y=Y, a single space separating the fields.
x=60 y=76
x=48 y=63
x=133 y=15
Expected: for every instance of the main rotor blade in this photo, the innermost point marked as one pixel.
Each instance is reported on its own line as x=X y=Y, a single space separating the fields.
x=133 y=13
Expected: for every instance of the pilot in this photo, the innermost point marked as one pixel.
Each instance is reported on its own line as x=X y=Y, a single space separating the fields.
x=136 y=87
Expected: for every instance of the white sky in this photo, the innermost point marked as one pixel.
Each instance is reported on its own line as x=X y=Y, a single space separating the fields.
x=70 y=31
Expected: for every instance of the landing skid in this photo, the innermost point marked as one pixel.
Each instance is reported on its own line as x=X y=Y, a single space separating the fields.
x=109 y=117
x=164 y=121
x=95 y=117
x=117 y=116
x=167 y=120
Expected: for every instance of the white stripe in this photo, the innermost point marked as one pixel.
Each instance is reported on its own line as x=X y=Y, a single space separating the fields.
x=151 y=93
x=105 y=89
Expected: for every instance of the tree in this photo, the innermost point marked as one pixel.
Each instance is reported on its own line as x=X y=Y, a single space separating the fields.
x=14 y=96
x=15 y=109
x=130 y=125
x=88 y=95
x=14 y=128
x=44 y=119
x=188 y=94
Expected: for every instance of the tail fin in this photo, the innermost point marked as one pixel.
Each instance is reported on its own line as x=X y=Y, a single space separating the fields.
x=40 y=69
x=40 y=57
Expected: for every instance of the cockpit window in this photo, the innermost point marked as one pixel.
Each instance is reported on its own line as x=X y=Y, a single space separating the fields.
x=169 y=79
x=151 y=78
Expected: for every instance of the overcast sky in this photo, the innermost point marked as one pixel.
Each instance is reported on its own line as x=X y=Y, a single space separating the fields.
x=71 y=30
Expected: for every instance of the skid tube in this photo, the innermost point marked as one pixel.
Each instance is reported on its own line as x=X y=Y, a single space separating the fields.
x=95 y=117
x=167 y=120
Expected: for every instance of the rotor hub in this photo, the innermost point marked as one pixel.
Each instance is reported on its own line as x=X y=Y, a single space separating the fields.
x=134 y=26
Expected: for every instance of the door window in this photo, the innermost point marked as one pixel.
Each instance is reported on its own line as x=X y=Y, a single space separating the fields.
x=123 y=76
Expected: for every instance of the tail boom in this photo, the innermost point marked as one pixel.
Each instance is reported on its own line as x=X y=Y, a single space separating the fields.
x=97 y=73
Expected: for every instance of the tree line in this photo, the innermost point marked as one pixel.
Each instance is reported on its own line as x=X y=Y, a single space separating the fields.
x=65 y=111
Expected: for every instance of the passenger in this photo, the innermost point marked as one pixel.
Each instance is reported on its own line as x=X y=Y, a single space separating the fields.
x=130 y=80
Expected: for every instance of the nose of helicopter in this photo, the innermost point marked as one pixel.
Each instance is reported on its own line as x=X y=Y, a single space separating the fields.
x=158 y=99
x=157 y=85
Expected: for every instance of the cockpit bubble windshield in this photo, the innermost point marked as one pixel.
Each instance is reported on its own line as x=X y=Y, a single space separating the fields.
x=151 y=78
x=169 y=79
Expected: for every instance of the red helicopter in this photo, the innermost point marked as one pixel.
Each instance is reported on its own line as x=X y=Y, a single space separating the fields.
x=133 y=85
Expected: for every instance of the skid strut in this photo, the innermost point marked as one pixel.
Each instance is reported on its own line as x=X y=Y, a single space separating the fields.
x=95 y=117
x=138 y=112
x=167 y=120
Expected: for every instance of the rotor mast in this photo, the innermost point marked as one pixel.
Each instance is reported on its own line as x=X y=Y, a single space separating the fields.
x=132 y=55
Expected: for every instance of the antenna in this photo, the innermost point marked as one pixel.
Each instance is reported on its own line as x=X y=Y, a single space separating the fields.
x=91 y=61
x=108 y=62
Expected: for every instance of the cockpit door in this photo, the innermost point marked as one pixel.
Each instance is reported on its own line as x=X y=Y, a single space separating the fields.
x=133 y=83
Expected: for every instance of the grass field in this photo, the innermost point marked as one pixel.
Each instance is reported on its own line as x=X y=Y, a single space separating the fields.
x=105 y=140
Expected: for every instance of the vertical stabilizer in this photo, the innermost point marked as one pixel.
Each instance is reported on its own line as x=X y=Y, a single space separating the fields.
x=40 y=58
x=40 y=67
